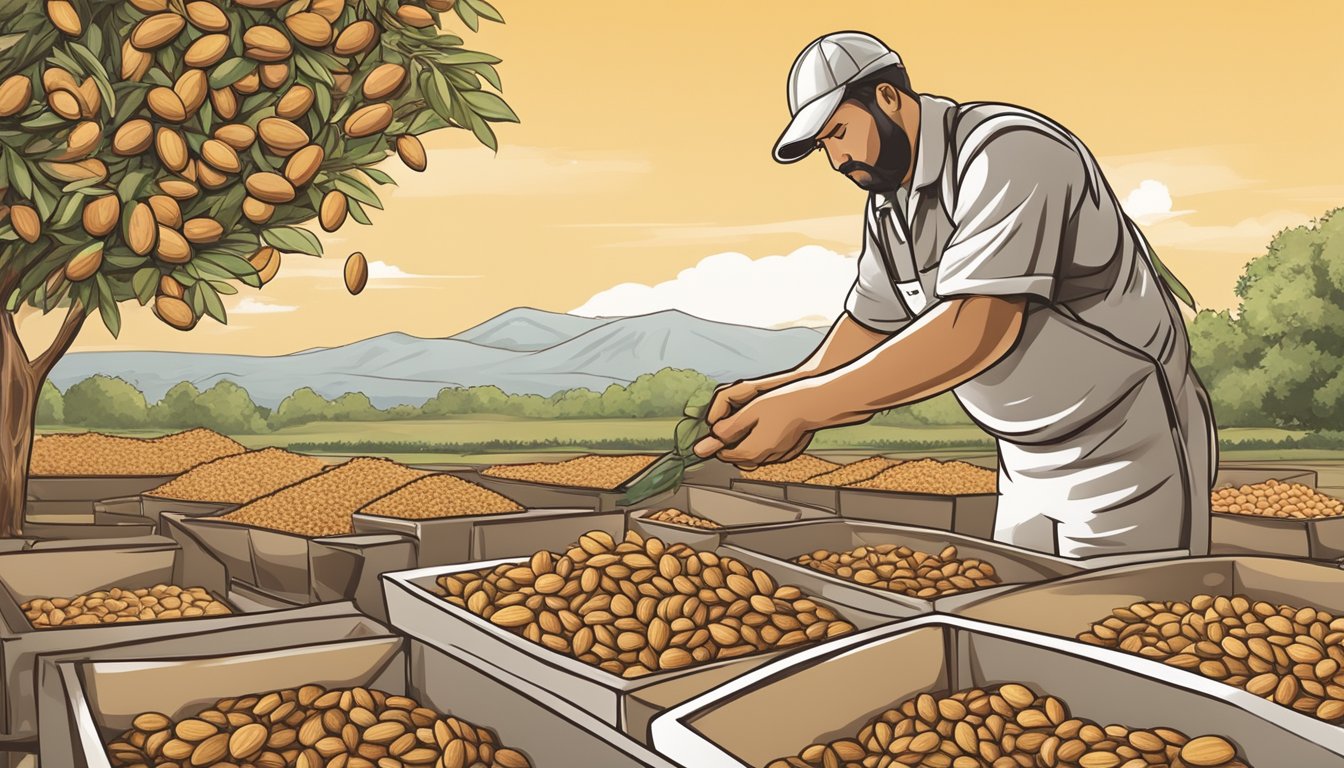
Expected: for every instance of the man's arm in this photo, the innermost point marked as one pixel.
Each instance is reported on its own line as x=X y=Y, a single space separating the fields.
x=847 y=341
x=951 y=343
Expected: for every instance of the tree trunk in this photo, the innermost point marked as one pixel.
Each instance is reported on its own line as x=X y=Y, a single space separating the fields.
x=19 y=387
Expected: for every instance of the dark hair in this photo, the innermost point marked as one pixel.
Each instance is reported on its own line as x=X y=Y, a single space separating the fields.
x=865 y=91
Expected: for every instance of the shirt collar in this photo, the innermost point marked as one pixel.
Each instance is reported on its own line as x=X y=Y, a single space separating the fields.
x=931 y=148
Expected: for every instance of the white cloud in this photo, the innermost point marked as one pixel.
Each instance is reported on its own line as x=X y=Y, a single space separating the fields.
x=250 y=306
x=807 y=286
x=1149 y=202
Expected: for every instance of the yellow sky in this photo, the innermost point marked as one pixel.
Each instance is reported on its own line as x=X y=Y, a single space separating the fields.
x=646 y=136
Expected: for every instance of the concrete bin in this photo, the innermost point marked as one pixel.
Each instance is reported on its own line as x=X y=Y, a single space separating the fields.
x=104 y=696
x=763 y=715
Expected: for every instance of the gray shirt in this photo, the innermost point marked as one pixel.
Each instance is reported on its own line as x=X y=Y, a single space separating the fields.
x=1106 y=440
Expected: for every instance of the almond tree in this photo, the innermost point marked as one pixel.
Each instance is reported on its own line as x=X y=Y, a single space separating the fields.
x=163 y=151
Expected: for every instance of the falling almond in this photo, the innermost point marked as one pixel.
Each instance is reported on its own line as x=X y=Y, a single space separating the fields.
x=356 y=273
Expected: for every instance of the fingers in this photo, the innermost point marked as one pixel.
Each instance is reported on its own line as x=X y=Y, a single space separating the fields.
x=707 y=447
x=727 y=398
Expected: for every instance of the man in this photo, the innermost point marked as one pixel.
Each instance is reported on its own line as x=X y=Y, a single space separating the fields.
x=997 y=264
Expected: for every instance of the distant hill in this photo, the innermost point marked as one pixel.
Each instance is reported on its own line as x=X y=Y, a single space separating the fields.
x=520 y=351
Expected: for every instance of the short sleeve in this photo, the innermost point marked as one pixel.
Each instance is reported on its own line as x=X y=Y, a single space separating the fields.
x=1017 y=190
x=872 y=301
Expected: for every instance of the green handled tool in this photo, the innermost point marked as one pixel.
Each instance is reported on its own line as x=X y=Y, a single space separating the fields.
x=666 y=473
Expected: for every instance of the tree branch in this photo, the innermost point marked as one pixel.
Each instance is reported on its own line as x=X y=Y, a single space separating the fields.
x=74 y=320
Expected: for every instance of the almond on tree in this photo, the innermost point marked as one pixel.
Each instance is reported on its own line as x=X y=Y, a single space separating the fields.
x=164 y=152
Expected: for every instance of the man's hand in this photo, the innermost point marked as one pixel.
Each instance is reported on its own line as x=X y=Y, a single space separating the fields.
x=767 y=429
x=730 y=397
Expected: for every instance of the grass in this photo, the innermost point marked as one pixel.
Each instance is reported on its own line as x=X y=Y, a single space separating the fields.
x=497 y=439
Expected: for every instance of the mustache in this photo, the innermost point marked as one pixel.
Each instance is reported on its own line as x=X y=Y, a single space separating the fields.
x=850 y=166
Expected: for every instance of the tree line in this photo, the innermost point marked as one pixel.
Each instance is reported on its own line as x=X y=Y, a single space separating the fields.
x=106 y=402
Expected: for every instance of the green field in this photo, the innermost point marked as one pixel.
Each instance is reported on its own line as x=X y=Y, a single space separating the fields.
x=461 y=439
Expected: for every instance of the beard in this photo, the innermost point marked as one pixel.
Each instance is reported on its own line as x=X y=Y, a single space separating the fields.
x=893 y=157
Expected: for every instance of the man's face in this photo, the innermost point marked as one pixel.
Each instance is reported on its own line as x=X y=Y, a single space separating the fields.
x=867 y=146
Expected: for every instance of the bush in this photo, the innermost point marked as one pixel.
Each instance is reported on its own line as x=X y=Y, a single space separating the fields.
x=226 y=407
x=303 y=406
x=50 y=406
x=107 y=403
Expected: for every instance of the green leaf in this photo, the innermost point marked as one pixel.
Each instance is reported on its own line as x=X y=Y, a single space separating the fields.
x=211 y=303
x=468 y=16
x=132 y=184
x=438 y=93
x=107 y=307
x=357 y=213
x=145 y=282
x=466 y=57
x=489 y=106
x=100 y=77
x=1177 y=287
x=379 y=176
x=292 y=240
x=19 y=175
x=486 y=10
x=483 y=132
x=356 y=190
x=697 y=406
x=488 y=72
x=230 y=71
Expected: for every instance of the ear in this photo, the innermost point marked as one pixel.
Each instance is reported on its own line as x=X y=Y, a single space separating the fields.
x=888 y=98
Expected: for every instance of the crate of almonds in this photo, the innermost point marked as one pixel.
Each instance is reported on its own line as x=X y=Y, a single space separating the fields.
x=1266 y=634
x=894 y=570
x=373 y=701
x=943 y=691
x=1274 y=512
x=618 y=629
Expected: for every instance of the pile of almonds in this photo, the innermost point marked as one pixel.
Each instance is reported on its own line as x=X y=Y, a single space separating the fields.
x=440 y=496
x=904 y=570
x=161 y=602
x=324 y=504
x=792 y=471
x=602 y=472
x=944 y=478
x=640 y=606
x=677 y=517
x=1007 y=727
x=1289 y=655
x=311 y=727
x=1273 y=498
x=86 y=454
x=854 y=472
x=240 y=478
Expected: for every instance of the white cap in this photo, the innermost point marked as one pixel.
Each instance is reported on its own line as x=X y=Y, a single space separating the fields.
x=817 y=85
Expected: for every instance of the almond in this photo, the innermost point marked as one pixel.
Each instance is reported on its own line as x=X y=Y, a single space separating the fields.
x=236 y=135
x=414 y=16
x=65 y=103
x=63 y=17
x=303 y=165
x=176 y=313
x=249 y=83
x=332 y=212
x=208 y=50
x=166 y=104
x=195 y=730
x=207 y=17
x=91 y=99
x=220 y=156
x=295 y=103
x=1207 y=751
x=267 y=263
x=269 y=187
x=157 y=31
x=133 y=137
x=225 y=103
x=170 y=287
x=266 y=44
x=81 y=140
x=256 y=211
x=150 y=722
x=281 y=136
x=274 y=75
x=172 y=149
x=513 y=615
x=85 y=263
x=211 y=751
x=15 y=93
x=411 y=152
x=202 y=230
x=356 y=277
x=166 y=210
x=384 y=81
x=25 y=221
x=100 y=215
x=247 y=741
x=134 y=62
x=355 y=39
x=309 y=28
x=368 y=120
x=141 y=232
x=330 y=10
x=173 y=247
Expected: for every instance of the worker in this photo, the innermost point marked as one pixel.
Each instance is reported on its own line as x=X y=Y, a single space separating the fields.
x=997 y=264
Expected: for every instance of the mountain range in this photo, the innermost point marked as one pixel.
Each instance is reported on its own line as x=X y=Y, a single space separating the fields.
x=520 y=351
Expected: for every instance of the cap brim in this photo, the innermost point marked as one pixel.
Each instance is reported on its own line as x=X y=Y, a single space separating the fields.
x=800 y=137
